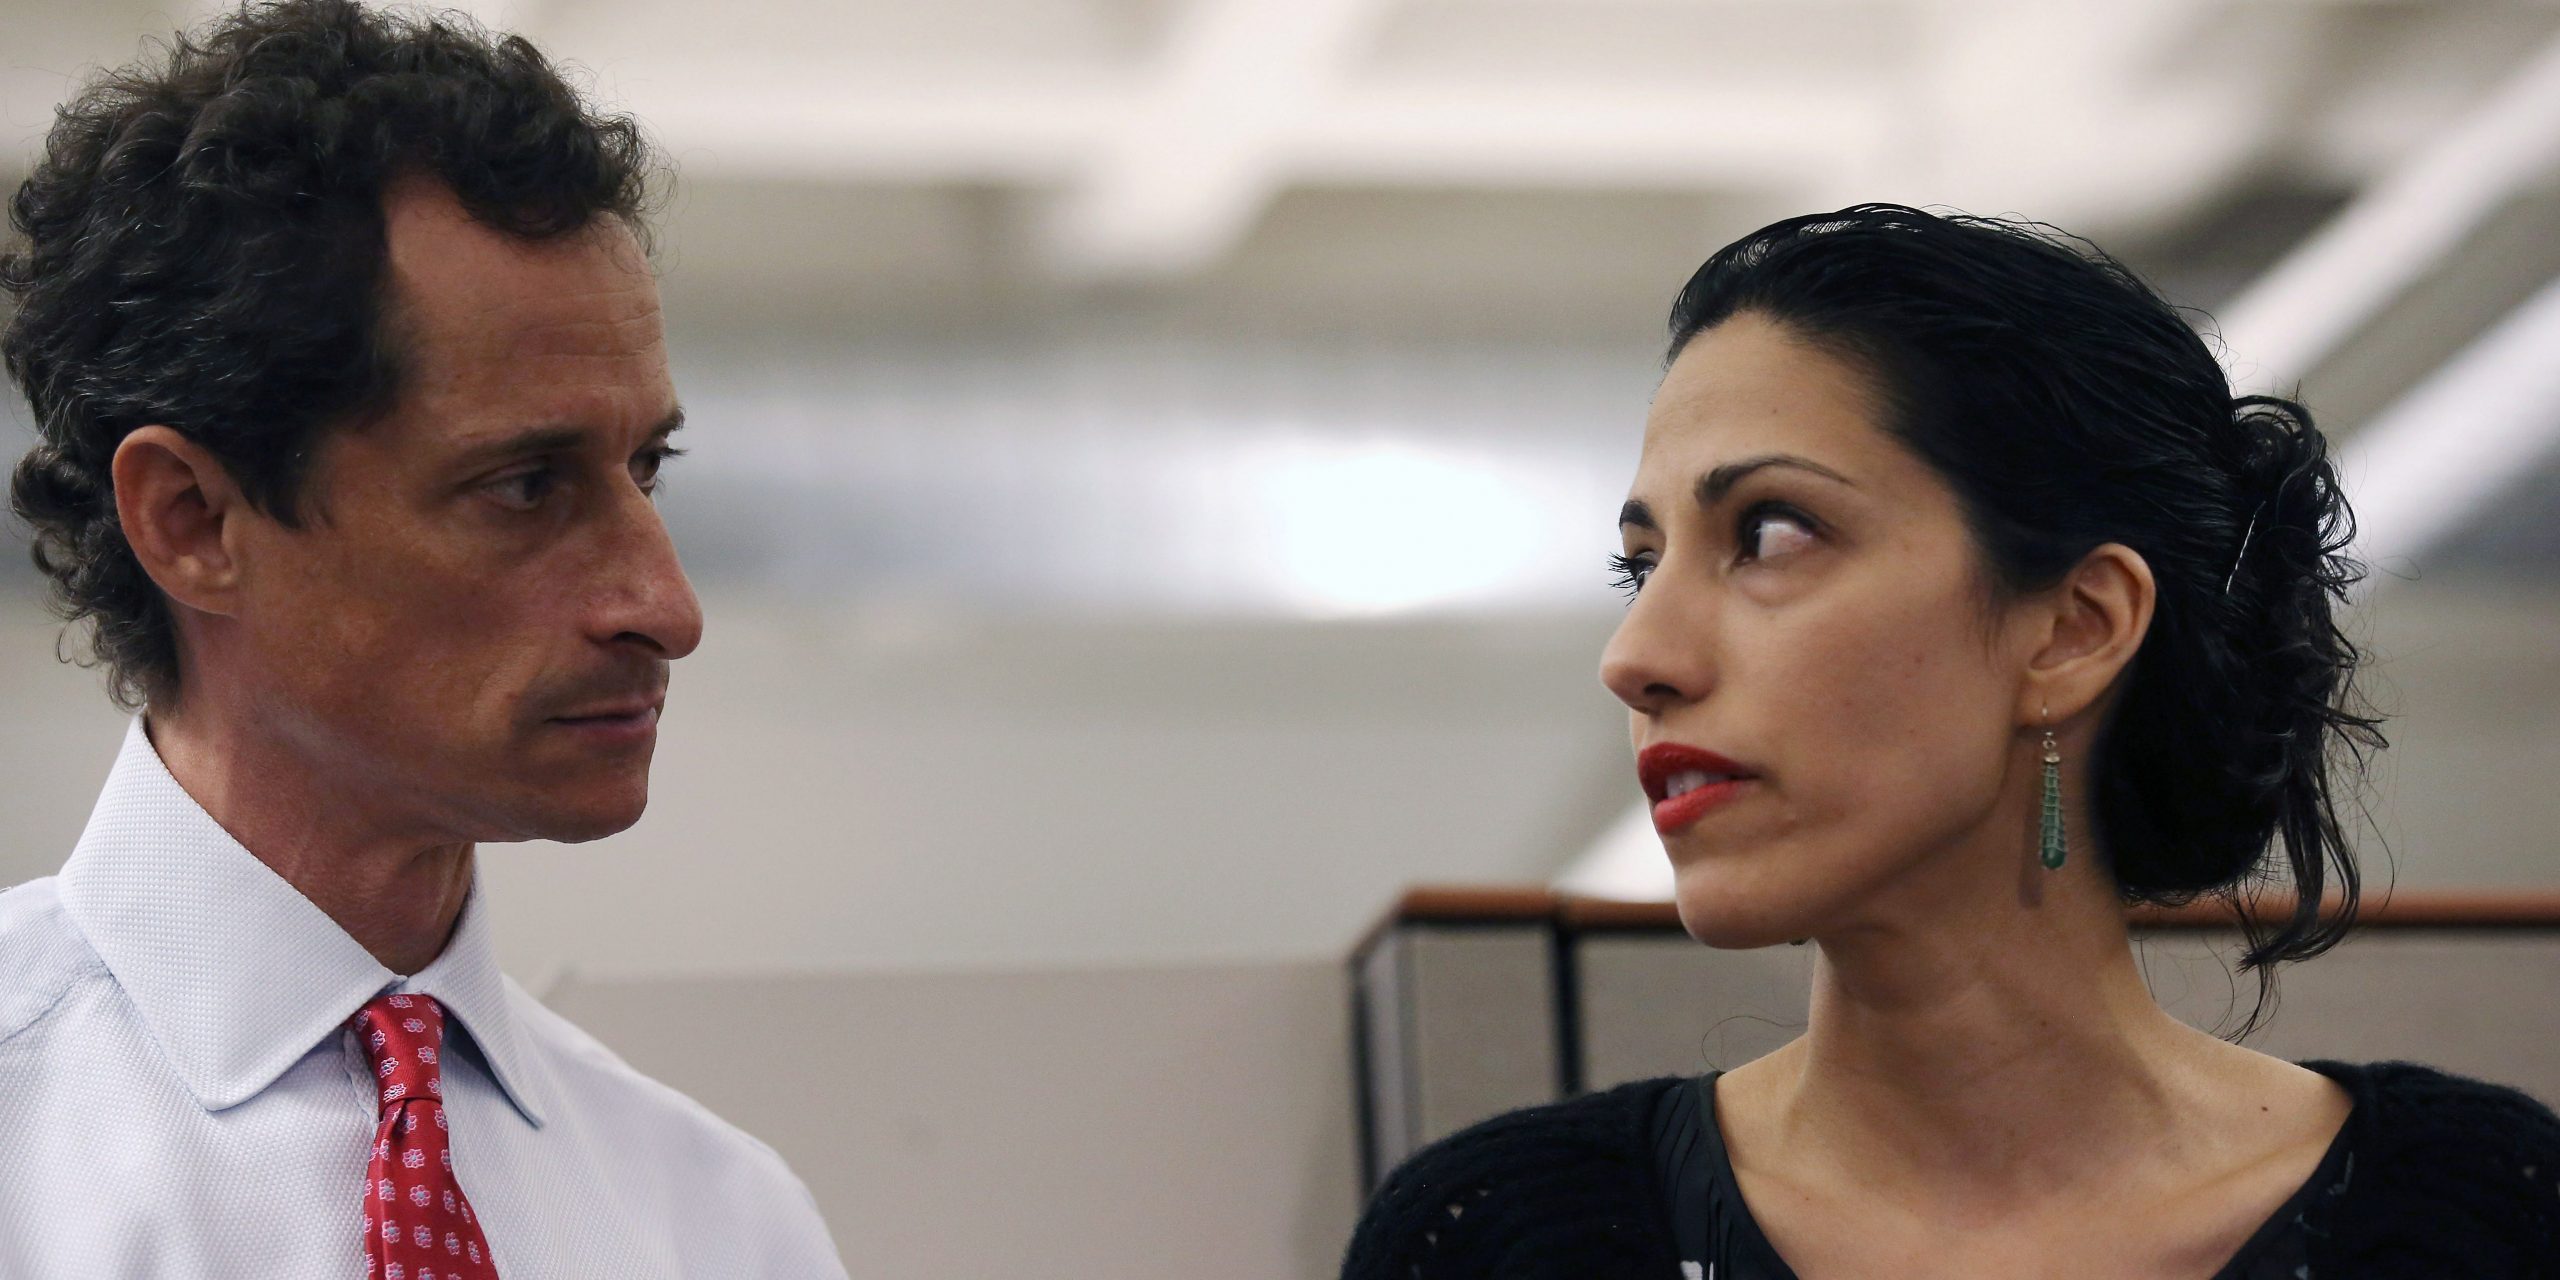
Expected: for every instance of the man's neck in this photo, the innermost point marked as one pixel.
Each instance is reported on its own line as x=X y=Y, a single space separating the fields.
x=396 y=894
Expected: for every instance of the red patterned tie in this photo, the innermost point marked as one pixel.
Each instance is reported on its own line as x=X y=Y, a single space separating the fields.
x=417 y=1226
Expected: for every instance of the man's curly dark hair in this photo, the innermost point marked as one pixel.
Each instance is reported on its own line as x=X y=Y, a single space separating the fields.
x=204 y=249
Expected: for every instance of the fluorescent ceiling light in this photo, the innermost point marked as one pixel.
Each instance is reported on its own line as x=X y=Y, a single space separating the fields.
x=2296 y=314
x=1348 y=528
x=2445 y=449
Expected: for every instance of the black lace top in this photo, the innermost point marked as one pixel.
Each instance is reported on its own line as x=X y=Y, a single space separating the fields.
x=1715 y=1238
x=2450 y=1177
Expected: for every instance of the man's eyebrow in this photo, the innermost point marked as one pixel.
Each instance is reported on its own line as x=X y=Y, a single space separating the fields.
x=553 y=439
x=1714 y=485
x=524 y=443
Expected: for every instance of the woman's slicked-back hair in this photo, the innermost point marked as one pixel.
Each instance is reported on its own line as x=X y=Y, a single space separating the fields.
x=2068 y=406
x=203 y=249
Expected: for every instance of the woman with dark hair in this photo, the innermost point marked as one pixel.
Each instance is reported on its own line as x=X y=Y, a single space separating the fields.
x=1968 y=606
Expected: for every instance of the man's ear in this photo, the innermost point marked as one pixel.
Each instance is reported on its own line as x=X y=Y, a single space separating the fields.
x=2099 y=615
x=181 y=515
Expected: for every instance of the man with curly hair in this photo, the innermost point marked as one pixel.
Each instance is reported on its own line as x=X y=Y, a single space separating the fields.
x=345 y=349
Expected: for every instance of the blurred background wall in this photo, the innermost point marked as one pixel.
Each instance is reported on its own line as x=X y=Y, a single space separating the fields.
x=1152 y=460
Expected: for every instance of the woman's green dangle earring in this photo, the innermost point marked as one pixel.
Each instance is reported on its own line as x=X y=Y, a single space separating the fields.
x=2053 y=843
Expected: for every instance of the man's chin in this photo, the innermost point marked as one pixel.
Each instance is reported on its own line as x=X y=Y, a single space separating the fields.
x=600 y=821
x=570 y=797
x=569 y=818
x=584 y=829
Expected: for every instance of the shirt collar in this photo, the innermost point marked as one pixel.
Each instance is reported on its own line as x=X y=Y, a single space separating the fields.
x=235 y=974
x=466 y=981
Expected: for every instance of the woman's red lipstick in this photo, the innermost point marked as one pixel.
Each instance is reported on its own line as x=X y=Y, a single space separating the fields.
x=1704 y=779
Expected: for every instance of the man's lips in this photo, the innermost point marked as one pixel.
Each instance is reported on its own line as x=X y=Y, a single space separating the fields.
x=624 y=722
x=1684 y=782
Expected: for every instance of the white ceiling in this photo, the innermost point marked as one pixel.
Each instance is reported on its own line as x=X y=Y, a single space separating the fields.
x=1148 y=138
x=1076 y=303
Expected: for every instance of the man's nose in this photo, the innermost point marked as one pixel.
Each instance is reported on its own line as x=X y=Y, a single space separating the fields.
x=652 y=603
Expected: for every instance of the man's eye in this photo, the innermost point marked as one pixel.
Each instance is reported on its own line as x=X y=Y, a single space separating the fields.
x=525 y=489
x=645 y=466
x=1749 y=529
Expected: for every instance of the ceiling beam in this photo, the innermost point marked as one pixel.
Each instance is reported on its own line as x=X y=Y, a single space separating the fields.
x=1708 y=136
x=2088 y=114
x=2393 y=233
x=2447 y=449
x=1448 y=134
x=1025 y=129
x=1191 y=167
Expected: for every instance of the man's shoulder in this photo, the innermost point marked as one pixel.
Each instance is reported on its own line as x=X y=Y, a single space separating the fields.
x=43 y=955
x=728 y=1174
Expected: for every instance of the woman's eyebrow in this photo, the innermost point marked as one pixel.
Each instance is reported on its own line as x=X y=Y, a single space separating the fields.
x=1714 y=485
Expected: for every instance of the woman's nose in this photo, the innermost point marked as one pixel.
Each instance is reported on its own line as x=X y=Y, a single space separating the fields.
x=1652 y=663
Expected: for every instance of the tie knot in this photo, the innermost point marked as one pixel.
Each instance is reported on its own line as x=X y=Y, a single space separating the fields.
x=402 y=1037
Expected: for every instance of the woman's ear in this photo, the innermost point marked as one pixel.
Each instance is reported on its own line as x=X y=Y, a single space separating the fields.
x=2089 y=629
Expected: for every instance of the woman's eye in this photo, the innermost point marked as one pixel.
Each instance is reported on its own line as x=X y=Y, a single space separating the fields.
x=1794 y=530
x=1631 y=572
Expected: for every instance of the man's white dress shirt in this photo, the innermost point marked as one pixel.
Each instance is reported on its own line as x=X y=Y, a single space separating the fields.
x=179 y=1095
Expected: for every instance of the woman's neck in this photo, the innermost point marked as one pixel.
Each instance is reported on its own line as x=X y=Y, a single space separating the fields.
x=1992 y=1053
